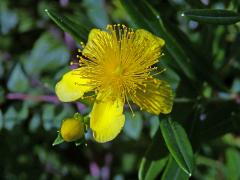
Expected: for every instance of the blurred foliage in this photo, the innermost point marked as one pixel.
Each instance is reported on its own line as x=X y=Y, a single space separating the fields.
x=202 y=58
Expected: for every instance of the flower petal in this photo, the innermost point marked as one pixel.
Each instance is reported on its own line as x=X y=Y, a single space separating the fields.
x=157 y=98
x=106 y=119
x=93 y=33
x=95 y=37
x=156 y=41
x=72 y=86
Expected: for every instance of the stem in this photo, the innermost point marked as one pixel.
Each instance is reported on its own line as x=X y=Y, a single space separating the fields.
x=44 y=98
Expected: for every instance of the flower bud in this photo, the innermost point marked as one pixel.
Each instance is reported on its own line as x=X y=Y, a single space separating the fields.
x=72 y=129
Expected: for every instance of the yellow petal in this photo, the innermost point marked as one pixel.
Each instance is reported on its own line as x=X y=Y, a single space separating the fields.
x=93 y=33
x=72 y=86
x=157 y=98
x=95 y=36
x=106 y=119
x=147 y=36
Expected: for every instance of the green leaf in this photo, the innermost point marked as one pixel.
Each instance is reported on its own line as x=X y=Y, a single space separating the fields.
x=34 y=122
x=233 y=163
x=173 y=171
x=178 y=144
x=236 y=86
x=133 y=125
x=1 y=69
x=97 y=12
x=212 y=16
x=189 y=62
x=212 y=167
x=146 y=17
x=18 y=81
x=1 y=120
x=199 y=55
x=8 y=19
x=48 y=116
x=26 y=21
x=2 y=95
x=231 y=140
x=58 y=140
x=154 y=160
x=216 y=118
x=128 y=162
x=23 y=113
x=154 y=125
x=48 y=54
x=10 y=118
x=78 y=32
x=154 y=168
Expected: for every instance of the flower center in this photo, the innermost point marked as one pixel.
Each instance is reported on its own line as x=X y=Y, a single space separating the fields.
x=118 y=71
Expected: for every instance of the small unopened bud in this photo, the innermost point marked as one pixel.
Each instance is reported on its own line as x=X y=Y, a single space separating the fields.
x=72 y=129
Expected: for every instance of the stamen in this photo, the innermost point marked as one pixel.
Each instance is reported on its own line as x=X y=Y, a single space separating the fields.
x=82 y=45
x=89 y=96
x=159 y=72
x=130 y=107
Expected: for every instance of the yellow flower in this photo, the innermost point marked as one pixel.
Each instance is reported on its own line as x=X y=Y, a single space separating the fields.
x=117 y=64
x=72 y=129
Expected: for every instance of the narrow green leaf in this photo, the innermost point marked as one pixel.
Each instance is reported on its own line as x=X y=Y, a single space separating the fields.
x=154 y=168
x=154 y=160
x=233 y=163
x=78 y=32
x=200 y=56
x=146 y=17
x=58 y=140
x=189 y=61
x=173 y=171
x=231 y=140
x=178 y=144
x=212 y=16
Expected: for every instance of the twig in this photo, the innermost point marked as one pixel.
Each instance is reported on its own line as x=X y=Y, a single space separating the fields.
x=44 y=98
